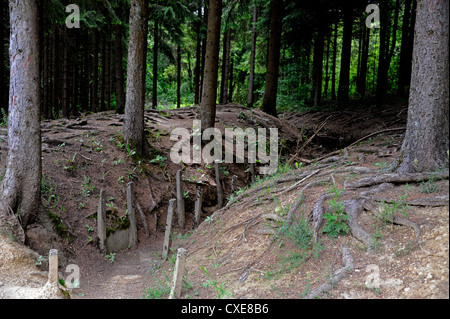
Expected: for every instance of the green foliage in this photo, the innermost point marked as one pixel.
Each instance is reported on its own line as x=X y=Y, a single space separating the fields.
x=336 y=219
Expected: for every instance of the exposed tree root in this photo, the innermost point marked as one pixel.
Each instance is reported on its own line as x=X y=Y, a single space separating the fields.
x=377 y=211
x=317 y=213
x=338 y=275
x=353 y=208
x=395 y=178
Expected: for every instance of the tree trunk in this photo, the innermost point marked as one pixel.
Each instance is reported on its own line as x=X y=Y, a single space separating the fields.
x=119 y=78
x=327 y=63
x=209 y=91
x=386 y=53
x=251 y=77
x=426 y=143
x=333 y=70
x=318 y=66
x=94 y=92
x=65 y=106
x=54 y=110
x=403 y=77
x=45 y=79
x=198 y=59
x=269 y=103
x=104 y=67
x=87 y=73
x=344 y=77
x=225 y=67
x=361 y=87
x=178 y=76
x=133 y=129
x=202 y=72
x=108 y=74
x=20 y=188
x=155 y=65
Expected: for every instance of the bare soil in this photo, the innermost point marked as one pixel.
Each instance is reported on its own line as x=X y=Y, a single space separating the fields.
x=234 y=252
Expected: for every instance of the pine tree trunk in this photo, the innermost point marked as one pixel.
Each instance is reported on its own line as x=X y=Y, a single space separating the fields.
x=54 y=110
x=21 y=185
x=403 y=81
x=327 y=63
x=318 y=66
x=333 y=70
x=108 y=74
x=103 y=82
x=364 y=60
x=209 y=91
x=251 y=77
x=155 y=66
x=225 y=67
x=94 y=92
x=87 y=73
x=344 y=77
x=65 y=104
x=119 y=78
x=198 y=59
x=178 y=76
x=45 y=79
x=133 y=129
x=426 y=143
x=269 y=103
x=202 y=71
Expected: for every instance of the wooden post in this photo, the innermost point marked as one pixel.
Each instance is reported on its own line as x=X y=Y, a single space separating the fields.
x=101 y=227
x=198 y=206
x=169 y=221
x=132 y=239
x=178 y=274
x=53 y=266
x=219 y=185
x=180 y=200
x=252 y=173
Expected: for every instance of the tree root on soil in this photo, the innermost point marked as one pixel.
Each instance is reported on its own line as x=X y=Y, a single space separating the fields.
x=338 y=275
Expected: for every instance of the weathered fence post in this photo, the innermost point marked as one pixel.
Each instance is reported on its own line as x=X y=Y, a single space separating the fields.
x=132 y=239
x=178 y=274
x=180 y=200
x=252 y=173
x=198 y=206
x=219 y=185
x=53 y=266
x=101 y=227
x=169 y=221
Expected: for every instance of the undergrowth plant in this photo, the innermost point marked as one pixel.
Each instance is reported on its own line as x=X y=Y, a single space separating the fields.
x=336 y=219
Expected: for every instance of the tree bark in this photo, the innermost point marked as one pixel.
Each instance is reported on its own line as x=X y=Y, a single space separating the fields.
x=225 y=67
x=426 y=143
x=318 y=66
x=403 y=75
x=94 y=89
x=155 y=65
x=178 y=76
x=198 y=59
x=118 y=68
x=209 y=91
x=251 y=77
x=21 y=185
x=344 y=77
x=269 y=103
x=133 y=129
x=333 y=70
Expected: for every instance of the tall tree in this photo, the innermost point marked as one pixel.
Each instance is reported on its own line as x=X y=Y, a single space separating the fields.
x=251 y=77
x=133 y=129
x=269 y=103
x=209 y=90
x=344 y=77
x=21 y=184
x=118 y=57
x=426 y=143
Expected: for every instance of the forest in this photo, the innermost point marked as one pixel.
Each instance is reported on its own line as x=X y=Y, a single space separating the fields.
x=358 y=92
